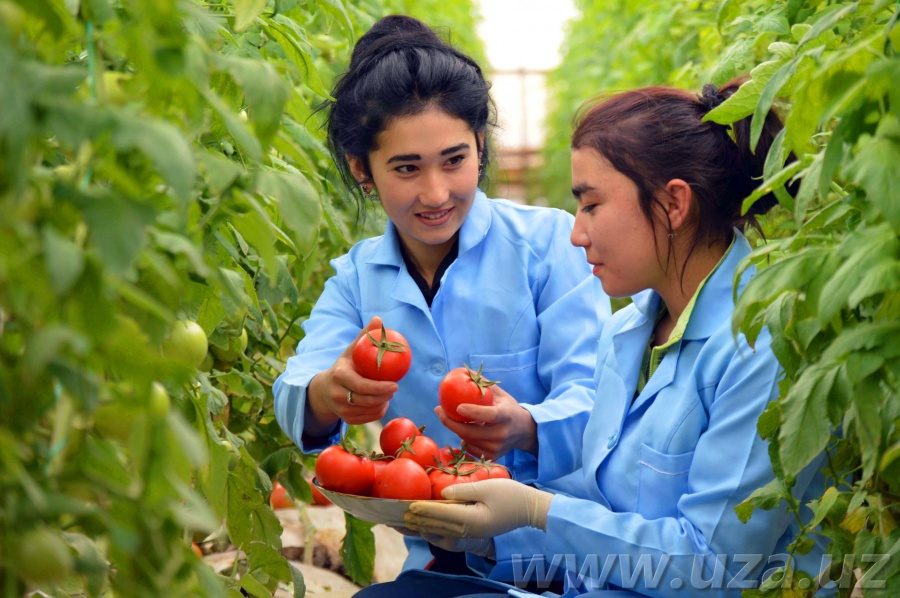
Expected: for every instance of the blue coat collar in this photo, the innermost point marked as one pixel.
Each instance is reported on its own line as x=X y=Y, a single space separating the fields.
x=473 y=231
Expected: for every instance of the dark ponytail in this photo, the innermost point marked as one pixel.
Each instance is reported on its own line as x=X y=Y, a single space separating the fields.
x=656 y=134
x=400 y=67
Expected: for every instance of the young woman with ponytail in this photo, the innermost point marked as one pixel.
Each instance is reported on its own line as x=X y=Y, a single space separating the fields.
x=466 y=279
x=671 y=447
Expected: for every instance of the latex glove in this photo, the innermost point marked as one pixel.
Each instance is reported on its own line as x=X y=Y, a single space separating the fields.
x=497 y=429
x=499 y=506
x=483 y=547
x=327 y=393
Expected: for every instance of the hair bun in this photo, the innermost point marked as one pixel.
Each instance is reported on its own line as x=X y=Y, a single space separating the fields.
x=392 y=32
x=710 y=97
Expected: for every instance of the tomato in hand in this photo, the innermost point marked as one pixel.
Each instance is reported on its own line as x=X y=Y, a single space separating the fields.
x=279 y=498
x=443 y=478
x=403 y=479
x=394 y=433
x=382 y=355
x=338 y=470
x=421 y=449
x=462 y=385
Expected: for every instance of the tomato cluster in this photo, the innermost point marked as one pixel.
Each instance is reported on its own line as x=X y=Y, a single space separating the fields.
x=411 y=466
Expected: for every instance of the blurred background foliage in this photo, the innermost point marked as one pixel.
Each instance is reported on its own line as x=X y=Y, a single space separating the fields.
x=162 y=161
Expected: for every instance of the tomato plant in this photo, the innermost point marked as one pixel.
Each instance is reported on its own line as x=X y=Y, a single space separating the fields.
x=421 y=449
x=403 y=479
x=382 y=355
x=395 y=432
x=461 y=386
x=342 y=471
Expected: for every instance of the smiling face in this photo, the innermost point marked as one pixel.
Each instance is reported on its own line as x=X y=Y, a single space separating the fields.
x=425 y=168
x=610 y=226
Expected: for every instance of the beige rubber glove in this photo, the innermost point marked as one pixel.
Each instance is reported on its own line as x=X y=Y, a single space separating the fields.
x=499 y=506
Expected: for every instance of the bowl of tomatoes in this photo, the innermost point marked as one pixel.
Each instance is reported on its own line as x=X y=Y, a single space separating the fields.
x=379 y=487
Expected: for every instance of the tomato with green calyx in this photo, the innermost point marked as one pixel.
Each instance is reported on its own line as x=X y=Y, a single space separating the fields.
x=421 y=449
x=43 y=557
x=443 y=477
x=403 y=479
x=229 y=354
x=187 y=343
x=395 y=432
x=451 y=456
x=464 y=386
x=382 y=355
x=342 y=471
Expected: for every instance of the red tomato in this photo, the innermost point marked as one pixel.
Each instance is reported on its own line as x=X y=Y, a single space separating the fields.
x=319 y=499
x=394 y=433
x=441 y=479
x=495 y=472
x=338 y=470
x=380 y=464
x=403 y=479
x=450 y=456
x=378 y=359
x=462 y=385
x=473 y=470
x=279 y=498
x=421 y=449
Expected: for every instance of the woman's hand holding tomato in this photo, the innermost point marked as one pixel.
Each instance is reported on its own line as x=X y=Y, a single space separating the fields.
x=496 y=429
x=327 y=393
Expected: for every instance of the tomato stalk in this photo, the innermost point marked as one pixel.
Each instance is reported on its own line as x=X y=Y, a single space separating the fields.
x=385 y=345
x=479 y=379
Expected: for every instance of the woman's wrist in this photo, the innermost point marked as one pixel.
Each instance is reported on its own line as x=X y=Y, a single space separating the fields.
x=318 y=419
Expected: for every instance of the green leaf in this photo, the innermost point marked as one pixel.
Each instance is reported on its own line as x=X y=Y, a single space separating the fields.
x=246 y=11
x=875 y=168
x=246 y=141
x=65 y=260
x=358 y=550
x=298 y=582
x=300 y=57
x=822 y=505
x=266 y=93
x=257 y=229
x=767 y=98
x=867 y=403
x=254 y=587
x=298 y=204
x=805 y=431
x=882 y=278
x=165 y=145
x=337 y=8
x=745 y=99
x=827 y=19
x=775 y=183
x=117 y=228
x=860 y=252
x=241 y=384
x=767 y=498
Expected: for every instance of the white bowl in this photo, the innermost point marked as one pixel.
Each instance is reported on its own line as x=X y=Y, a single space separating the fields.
x=388 y=511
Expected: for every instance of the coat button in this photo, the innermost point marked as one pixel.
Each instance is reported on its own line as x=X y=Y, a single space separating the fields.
x=611 y=442
x=438 y=367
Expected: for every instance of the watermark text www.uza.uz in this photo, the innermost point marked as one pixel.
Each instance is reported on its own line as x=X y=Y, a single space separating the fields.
x=707 y=572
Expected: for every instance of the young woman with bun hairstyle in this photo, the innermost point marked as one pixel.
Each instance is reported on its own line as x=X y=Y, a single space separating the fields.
x=466 y=279
x=671 y=447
